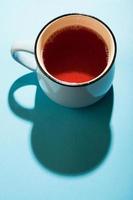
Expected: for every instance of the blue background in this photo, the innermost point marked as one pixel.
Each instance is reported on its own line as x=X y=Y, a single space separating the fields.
x=51 y=152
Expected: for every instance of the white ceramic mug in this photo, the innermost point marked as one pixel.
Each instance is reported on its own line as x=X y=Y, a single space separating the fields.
x=65 y=93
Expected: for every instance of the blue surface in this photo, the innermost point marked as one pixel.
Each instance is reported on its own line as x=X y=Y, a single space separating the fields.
x=50 y=152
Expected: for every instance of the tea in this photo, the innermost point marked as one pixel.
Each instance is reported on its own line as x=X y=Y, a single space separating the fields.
x=75 y=54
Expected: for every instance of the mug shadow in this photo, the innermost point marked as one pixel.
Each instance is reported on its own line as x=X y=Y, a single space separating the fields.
x=63 y=140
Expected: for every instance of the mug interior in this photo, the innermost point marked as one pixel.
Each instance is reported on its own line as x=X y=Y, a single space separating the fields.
x=70 y=20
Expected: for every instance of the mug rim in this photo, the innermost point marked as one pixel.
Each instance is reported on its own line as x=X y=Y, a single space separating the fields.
x=69 y=83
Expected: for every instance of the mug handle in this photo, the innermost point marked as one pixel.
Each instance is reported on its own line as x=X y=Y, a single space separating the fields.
x=17 y=51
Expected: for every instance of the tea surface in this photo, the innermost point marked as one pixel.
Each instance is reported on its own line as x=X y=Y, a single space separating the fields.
x=75 y=54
